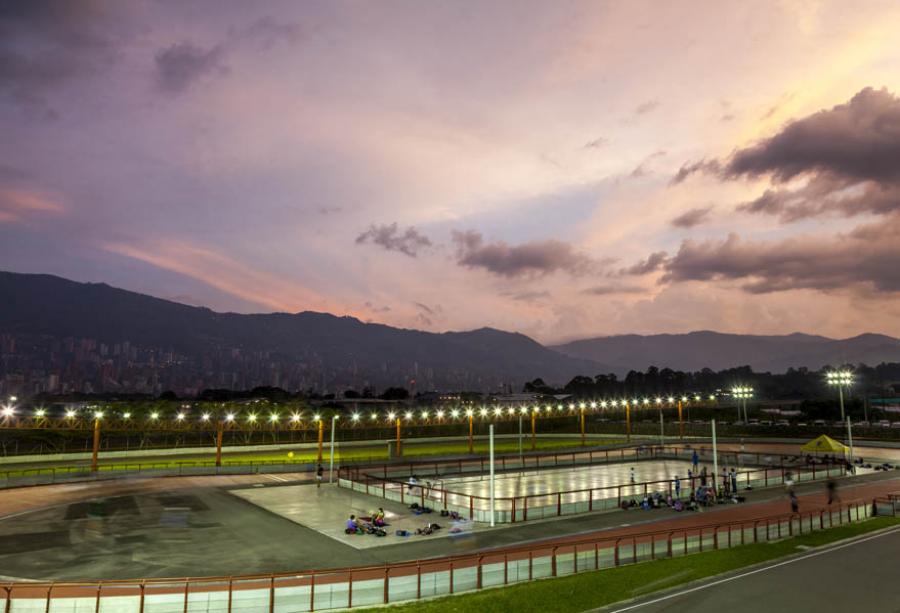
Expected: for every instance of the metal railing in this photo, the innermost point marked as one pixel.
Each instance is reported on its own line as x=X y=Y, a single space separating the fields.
x=408 y=581
x=512 y=509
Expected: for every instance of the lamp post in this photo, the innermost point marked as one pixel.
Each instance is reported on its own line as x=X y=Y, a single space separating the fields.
x=840 y=378
x=321 y=433
x=331 y=459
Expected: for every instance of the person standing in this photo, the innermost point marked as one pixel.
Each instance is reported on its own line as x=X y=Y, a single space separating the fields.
x=795 y=505
x=703 y=477
x=695 y=460
x=726 y=484
x=677 y=487
x=733 y=482
x=831 y=486
x=632 y=475
x=319 y=472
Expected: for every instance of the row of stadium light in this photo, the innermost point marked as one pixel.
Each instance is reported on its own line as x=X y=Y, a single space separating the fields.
x=484 y=412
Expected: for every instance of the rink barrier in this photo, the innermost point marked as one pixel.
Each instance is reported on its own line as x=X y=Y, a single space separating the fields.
x=386 y=485
x=888 y=505
x=320 y=590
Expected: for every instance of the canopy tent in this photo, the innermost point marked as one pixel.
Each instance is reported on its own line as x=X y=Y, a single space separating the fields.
x=824 y=444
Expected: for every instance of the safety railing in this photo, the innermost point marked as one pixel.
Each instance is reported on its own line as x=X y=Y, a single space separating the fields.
x=447 y=467
x=408 y=581
x=425 y=492
x=888 y=505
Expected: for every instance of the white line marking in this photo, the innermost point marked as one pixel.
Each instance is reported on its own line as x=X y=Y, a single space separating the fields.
x=753 y=572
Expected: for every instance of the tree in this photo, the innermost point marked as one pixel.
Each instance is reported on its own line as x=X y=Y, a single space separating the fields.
x=395 y=393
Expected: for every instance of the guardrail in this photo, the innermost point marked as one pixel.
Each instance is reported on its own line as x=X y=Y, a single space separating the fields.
x=888 y=505
x=408 y=581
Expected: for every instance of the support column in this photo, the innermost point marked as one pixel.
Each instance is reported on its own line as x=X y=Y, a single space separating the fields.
x=399 y=449
x=491 y=456
x=715 y=450
x=321 y=437
x=96 y=449
x=680 y=421
x=628 y=421
x=220 y=431
x=471 y=434
x=533 y=430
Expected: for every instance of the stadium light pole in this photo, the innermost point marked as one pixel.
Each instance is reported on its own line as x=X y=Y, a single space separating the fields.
x=96 y=447
x=220 y=431
x=331 y=459
x=627 y=421
x=533 y=426
x=521 y=460
x=840 y=378
x=321 y=429
x=581 y=407
x=471 y=415
x=680 y=421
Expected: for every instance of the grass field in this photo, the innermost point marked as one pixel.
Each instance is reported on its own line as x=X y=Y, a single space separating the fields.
x=411 y=450
x=598 y=588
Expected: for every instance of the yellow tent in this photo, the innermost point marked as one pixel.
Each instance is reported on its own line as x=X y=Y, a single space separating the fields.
x=824 y=444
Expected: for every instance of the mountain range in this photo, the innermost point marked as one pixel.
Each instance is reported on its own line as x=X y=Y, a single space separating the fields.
x=108 y=338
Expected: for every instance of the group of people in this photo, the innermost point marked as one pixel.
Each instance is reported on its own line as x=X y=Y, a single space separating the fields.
x=373 y=524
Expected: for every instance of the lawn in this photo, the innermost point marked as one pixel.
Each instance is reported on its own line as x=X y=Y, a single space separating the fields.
x=598 y=588
x=411 y=450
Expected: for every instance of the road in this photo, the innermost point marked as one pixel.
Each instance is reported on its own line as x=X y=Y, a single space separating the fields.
x=859 y=575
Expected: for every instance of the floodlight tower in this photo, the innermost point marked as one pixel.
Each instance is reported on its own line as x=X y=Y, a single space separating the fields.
x=742 y=394
x=840 y=378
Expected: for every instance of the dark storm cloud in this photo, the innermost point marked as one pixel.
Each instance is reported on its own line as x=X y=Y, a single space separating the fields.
x=182 y=64
x=44 y=45
x=867 y=255
x=654 y=262
x=408 y=242
x=692 y=218
x=848 y=155
x=532 y=258
x=857 y=140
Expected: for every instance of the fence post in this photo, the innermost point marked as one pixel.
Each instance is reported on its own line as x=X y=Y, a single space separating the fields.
x=387 y=570
x=553 y=562
x=419 y=580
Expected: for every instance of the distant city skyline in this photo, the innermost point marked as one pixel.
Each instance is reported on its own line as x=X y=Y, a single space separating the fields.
x=564 y=170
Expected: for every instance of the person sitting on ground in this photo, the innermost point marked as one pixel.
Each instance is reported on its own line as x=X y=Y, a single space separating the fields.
x=692 y=503
x=353 y=526
x=678 y=506
x=413 y=482
x=378 y=517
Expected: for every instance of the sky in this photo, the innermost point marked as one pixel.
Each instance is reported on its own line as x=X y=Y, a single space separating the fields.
x=561 y=169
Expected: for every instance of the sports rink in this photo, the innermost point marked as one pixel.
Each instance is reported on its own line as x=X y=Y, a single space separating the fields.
x=546 y=481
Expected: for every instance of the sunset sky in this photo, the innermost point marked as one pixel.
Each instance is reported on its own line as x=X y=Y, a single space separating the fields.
x=561 y=169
